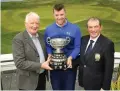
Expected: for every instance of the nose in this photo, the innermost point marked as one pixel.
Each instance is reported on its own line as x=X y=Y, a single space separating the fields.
x=59 y=17
x=34 y=25
x=93 y=29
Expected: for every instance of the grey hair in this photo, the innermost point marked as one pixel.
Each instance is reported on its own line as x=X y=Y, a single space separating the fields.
x=94 y=19
x=32 y=14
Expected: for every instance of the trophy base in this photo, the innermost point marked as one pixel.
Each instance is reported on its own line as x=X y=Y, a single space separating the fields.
x=58 y=65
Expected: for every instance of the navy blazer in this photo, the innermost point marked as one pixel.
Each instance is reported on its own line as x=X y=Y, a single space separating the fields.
x=96 y=72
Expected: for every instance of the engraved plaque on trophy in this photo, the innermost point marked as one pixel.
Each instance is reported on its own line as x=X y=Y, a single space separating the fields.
x=59 y=59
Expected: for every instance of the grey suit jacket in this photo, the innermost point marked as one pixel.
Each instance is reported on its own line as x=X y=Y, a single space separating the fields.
x=27 y=60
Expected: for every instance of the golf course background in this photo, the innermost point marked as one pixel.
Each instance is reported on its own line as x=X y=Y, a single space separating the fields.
x=78 y=11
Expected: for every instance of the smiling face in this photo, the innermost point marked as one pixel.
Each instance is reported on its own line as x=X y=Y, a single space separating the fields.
x=94 y=28
x=32 y=24
x=60 y=17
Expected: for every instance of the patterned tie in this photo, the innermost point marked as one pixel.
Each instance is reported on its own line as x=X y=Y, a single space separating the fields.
x=89 y=47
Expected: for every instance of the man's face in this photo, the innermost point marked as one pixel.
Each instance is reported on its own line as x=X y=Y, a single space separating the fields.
x=94 y=28
x=60 y=17
x=32 y=25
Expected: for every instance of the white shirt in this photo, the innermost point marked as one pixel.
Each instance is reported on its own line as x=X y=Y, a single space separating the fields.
x=39 y=48
x=95 y=39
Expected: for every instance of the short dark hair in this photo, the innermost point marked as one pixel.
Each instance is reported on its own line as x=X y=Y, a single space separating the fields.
x=94 y=19
x=58 y=7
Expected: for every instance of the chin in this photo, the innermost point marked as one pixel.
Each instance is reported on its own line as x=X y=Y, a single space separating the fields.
x=34 y=33
x=93 y=36
x=59 y=23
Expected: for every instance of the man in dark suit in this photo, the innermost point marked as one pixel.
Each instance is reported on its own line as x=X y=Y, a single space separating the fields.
x=96 y=58
x=29 y=56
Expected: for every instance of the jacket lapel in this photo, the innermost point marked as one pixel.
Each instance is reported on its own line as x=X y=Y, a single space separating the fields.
x=83 y=48
x=29 y=40
x=91 y=55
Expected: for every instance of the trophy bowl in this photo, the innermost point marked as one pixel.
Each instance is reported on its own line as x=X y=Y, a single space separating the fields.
x=58 y=43
x=59 y=59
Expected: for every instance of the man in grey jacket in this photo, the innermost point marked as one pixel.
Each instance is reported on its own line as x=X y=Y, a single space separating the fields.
x=29 y=56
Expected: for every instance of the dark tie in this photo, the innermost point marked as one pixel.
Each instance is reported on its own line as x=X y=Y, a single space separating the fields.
x=89 y=47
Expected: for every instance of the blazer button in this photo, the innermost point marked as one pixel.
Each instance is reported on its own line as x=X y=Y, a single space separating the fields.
x=84 y=66
x=37 y=55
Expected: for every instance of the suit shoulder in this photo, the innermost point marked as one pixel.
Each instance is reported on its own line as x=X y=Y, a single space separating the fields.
x=18 y=36
x=41 y=34
x=107 y=40
x=85 y=37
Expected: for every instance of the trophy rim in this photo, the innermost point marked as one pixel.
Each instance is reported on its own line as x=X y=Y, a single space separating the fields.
x=58 y=42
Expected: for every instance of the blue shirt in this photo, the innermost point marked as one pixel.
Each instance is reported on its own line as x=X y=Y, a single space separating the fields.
x=68 y=30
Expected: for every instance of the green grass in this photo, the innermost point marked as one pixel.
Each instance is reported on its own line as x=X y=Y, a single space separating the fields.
x=13 y=14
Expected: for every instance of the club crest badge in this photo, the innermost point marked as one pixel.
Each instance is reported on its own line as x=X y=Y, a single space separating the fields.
x=97 y=57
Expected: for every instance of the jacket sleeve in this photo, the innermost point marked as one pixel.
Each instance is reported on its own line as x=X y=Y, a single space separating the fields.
x=77 y=42
x=109 y=65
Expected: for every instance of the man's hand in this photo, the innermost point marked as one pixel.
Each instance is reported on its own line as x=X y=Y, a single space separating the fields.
x=45 y=65
x=69 y=62
x=101 y=89
x=49 y=57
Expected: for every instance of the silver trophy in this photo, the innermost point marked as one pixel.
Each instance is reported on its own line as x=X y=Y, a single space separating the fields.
x=59 y=59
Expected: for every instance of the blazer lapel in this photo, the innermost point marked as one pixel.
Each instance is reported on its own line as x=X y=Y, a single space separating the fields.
x=83 y=48
x=29 y=40
x=97 y=45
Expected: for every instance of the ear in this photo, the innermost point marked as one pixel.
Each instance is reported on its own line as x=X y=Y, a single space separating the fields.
x=25 y=24
x=101 y=28
x=54 y=15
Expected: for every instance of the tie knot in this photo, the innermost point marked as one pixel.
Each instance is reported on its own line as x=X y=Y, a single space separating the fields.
x=91 y=41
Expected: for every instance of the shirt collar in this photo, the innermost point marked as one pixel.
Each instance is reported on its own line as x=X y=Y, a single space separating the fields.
x=33 y=36
x=95 y=39
x=63 y=25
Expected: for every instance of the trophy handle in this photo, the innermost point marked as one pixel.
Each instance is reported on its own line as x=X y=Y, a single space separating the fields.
x=48 y=40
x=67 y=40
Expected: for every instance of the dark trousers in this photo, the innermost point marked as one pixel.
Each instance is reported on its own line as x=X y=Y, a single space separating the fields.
x=41 y=82
x=63 y=79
